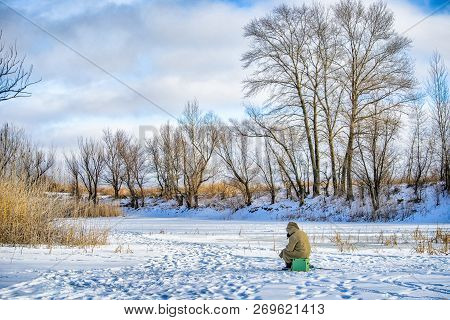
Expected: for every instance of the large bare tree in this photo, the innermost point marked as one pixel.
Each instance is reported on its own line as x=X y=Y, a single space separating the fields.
x=165 y=154
x=73 y=168
x=234 y=150
x=437 y=89
x=265 y=161
x=285 y=147
x=136 y=169
x=114 y=166
x=14 y=75
x=91 y=164
x=325 y=54
x=376 y=155
x=375 y=66
x=280 y=62
x=199 y=138
x=20 y=158
x=34 y=163
x=11 y=142
x=420 y=149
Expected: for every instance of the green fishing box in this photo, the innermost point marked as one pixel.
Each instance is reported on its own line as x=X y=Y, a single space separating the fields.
x=300 y=264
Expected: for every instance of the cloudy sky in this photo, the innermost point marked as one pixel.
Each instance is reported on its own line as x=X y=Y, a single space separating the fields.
x=170 y=51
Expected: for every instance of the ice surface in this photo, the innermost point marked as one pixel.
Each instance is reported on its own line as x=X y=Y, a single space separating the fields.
x=179 y=258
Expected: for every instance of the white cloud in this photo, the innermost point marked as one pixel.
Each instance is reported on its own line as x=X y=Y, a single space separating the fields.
x=170 y=51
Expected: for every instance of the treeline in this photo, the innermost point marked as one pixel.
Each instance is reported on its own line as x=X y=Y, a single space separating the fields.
x=29 y=214
x=339 y=89
x=342 y=76
x=21 y=159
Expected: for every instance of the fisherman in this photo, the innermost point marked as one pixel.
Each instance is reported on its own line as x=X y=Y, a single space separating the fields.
x=297 y=247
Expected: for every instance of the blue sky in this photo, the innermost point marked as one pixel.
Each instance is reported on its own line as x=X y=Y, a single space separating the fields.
x=171 y=51
x=429 y=4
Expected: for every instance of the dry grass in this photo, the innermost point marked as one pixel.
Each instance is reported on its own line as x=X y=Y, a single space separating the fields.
x=381 y=237
x=391 y=241
x=124 y=192
x=435 y=243
x=83 y=209
x=28 y=216
x=54 y=186
x=343 y=245
x=121 y=249
x=388 y=240
x=227 y=190
x=81 y=236
x=220 y=188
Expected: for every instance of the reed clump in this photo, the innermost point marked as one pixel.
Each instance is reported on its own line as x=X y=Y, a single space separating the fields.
x=85 y=209
x=30 y=217
x=343 y=245
x=434 y=243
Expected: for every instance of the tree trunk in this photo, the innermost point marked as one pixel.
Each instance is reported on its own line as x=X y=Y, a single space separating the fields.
x=288 y=192
x=188 y=199
x=248 y=195
x=333 y=164
x=307 y=187
x=349 y=158
x=272 y=196
x=343 y=176
x=316 y=168
x=316 y=173
x=196 y=200
x=179 y=198
x=447 y=170
x=142 y=198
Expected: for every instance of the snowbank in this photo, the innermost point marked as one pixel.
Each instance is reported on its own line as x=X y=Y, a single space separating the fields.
x=400 y=206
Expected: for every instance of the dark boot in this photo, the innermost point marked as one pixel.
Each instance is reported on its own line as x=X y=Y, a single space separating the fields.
x=287 y=267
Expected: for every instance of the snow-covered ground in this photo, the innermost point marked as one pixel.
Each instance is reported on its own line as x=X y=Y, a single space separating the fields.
x=401 y=206
x=179 y=258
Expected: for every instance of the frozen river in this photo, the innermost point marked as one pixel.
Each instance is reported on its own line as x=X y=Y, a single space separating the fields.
x=172 y=258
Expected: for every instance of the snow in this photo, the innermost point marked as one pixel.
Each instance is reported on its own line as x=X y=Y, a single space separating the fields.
x=185 y=258
x=400 y=207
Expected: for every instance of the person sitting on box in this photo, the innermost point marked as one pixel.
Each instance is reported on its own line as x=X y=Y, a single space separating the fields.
x=297 y=247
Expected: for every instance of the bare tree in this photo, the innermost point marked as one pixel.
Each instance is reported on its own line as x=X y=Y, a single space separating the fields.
x=113 y=163
x=172 y=150
x=326 y=52
x=73 y=167
x=326 y=182
x=233 y=149
x=376 y=154
x=280 y=58
x=420 y=150
x=11 y=142
x=140 y=169
x=437 y=88
x=286 y=149
x=267 y=169
x=20 y=158
x=14 y=76
x=34 y=163
x=136 y=168
x=127 y=156
x=374 y=67
x=91 y=164
x=199 y=138
x=165 y=154
x=156 y=165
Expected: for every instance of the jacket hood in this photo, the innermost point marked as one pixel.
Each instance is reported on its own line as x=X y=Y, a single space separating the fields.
x=292 y=227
